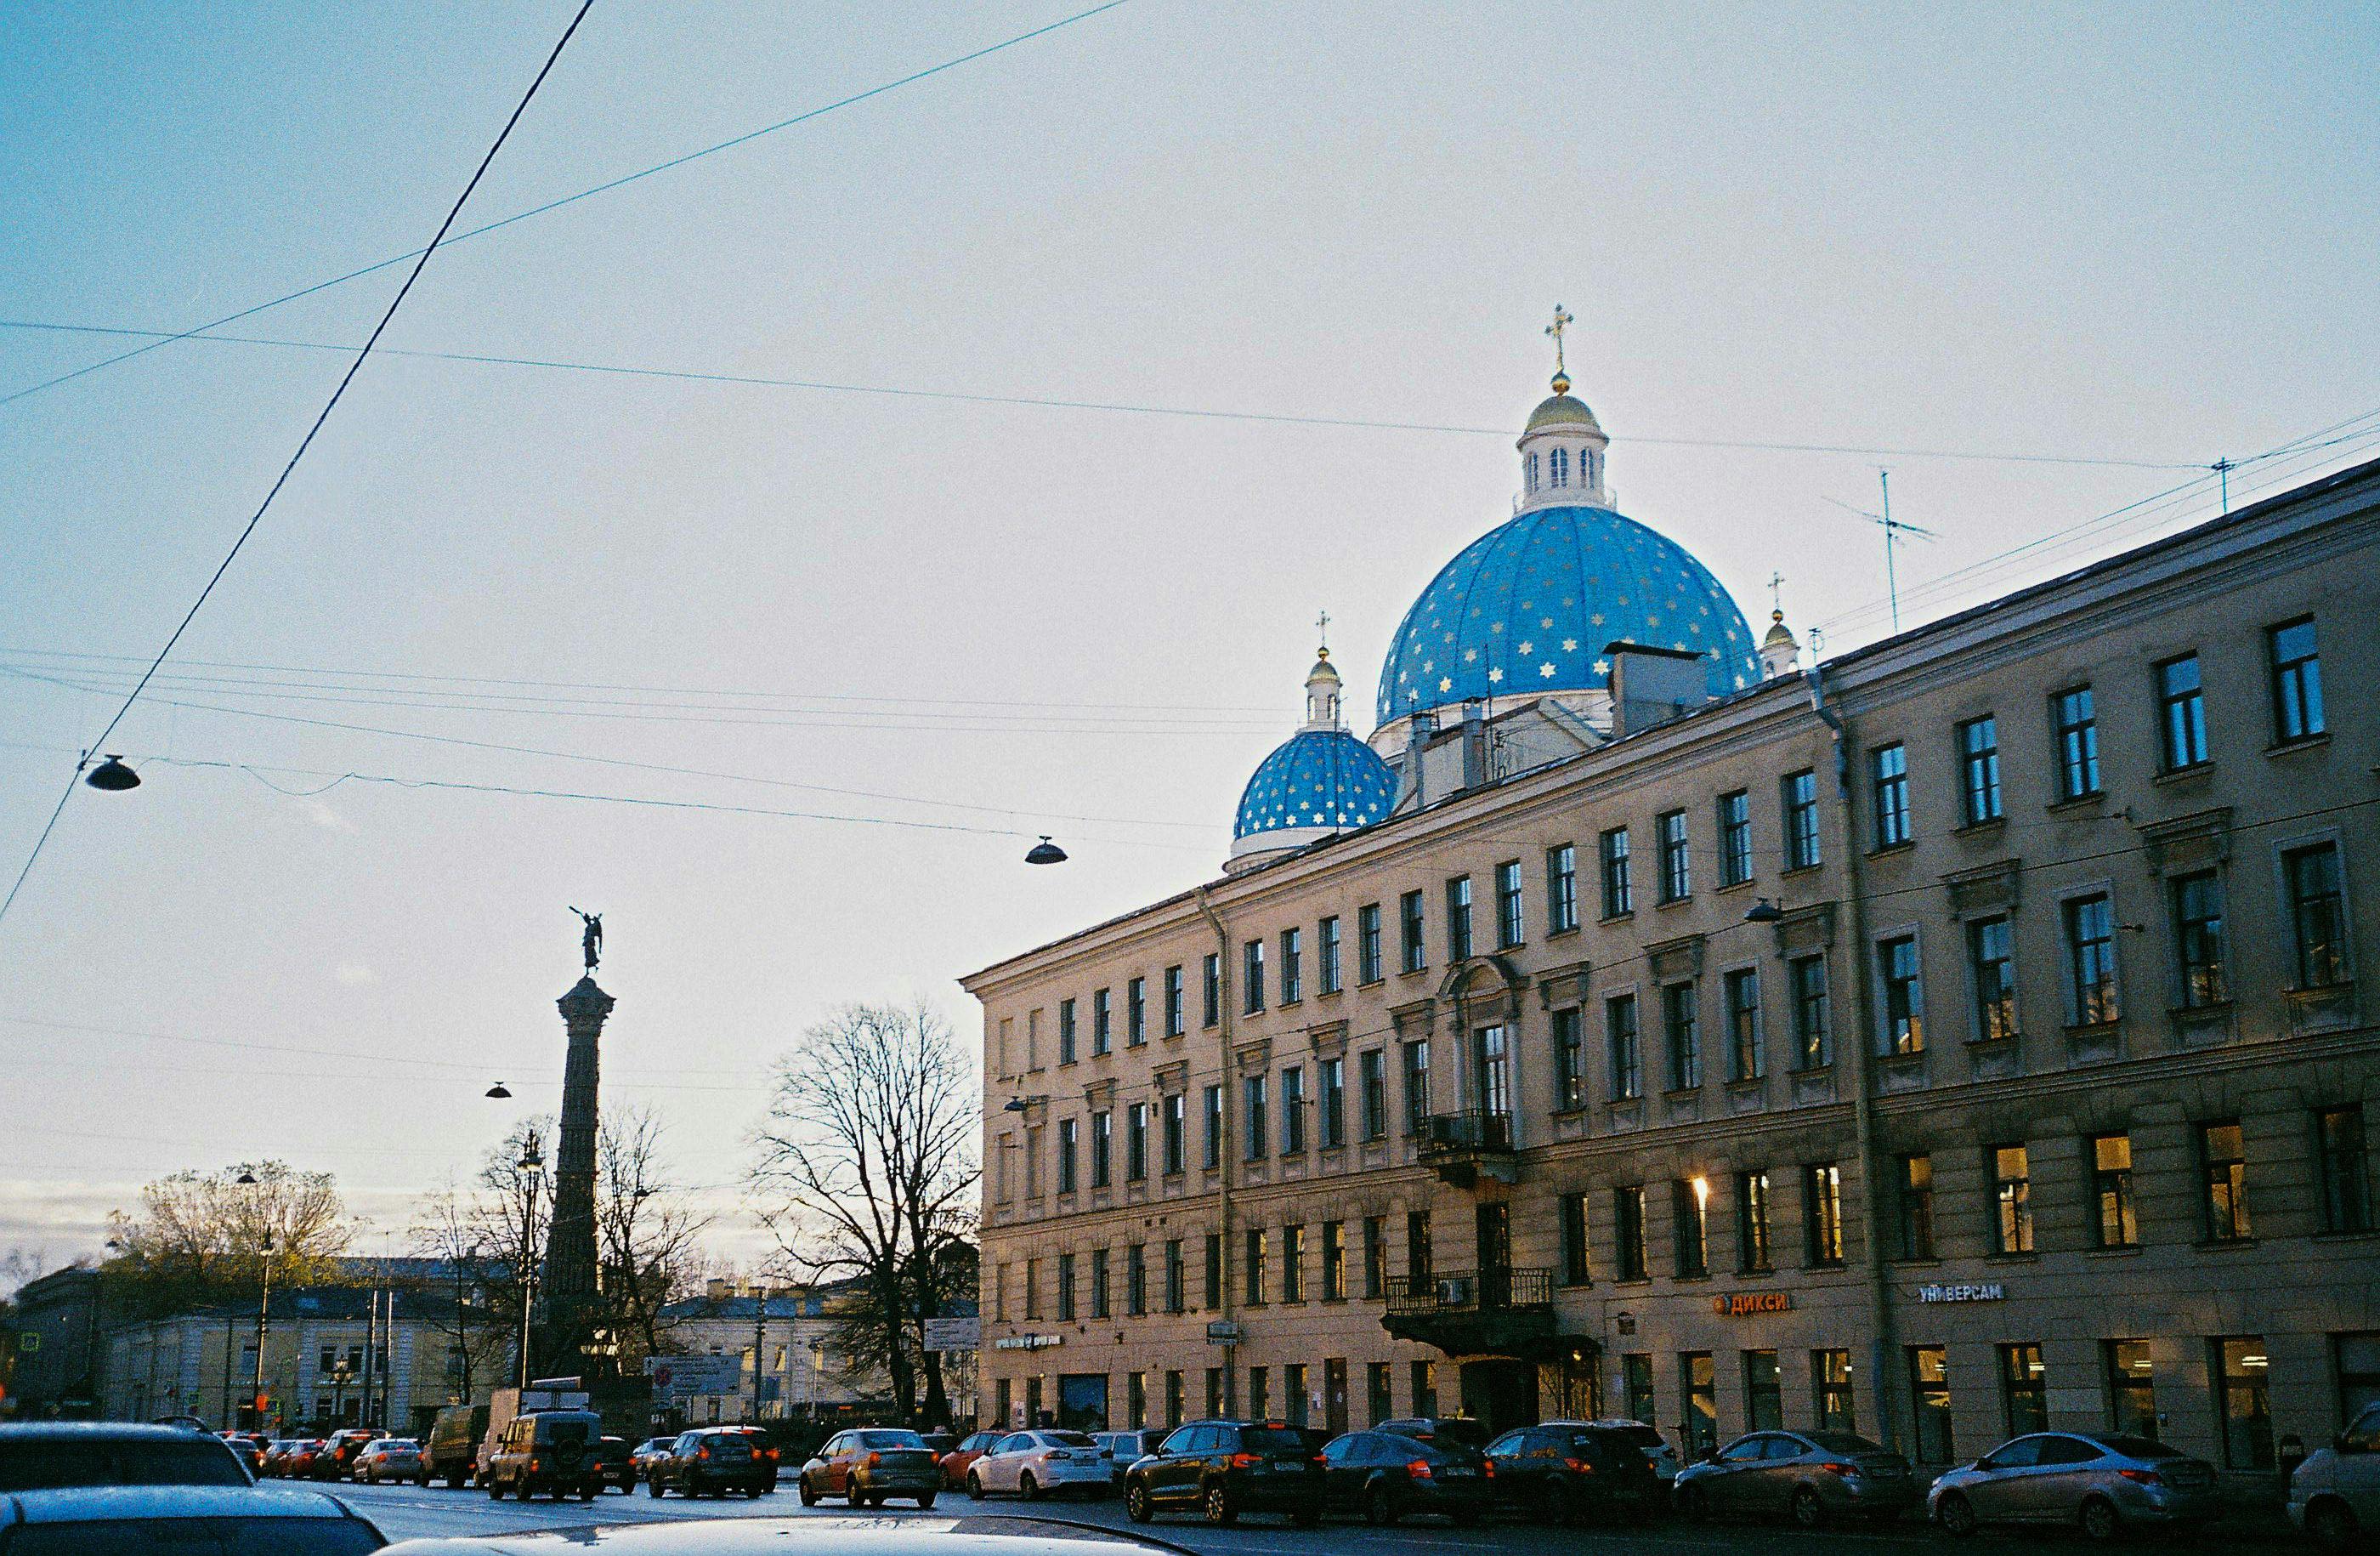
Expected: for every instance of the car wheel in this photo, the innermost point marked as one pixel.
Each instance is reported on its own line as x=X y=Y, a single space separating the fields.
x=586 y=1492
x=2099 y=1520
x=2332 y=1523
x=1809 y=1513
x=1693 y=1504
x=1956 y=1514
x=653 y=1487
x=925 y=1500
x=1028 y=1488
x=1135 y=1504
x=1219 y=1511
x=809 y=1492
x=495 y=1489
x=1379 y=1505
x=974 y=1487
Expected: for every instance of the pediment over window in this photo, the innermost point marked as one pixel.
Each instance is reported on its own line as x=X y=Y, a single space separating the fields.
x=1990 y=888
x=1671 y=959
x=2199 y=841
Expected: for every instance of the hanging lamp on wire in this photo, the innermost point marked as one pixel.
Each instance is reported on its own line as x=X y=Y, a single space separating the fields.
x=113 y=775
x=1045 y=853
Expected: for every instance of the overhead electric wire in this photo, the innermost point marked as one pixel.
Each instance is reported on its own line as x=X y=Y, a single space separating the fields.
x=304 y=444
x=569 y=199
x=1040 y=402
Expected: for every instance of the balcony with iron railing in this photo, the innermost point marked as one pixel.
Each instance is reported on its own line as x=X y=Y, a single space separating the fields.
x=1461 y=1147
x=1467 y=1312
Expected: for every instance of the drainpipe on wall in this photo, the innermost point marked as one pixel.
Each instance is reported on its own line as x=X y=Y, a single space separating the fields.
x=1880 y=1343
x=1224 y=1153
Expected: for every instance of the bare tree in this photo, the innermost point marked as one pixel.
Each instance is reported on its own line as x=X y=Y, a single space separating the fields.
x=447 y=1228
x=198 y=1235
x=507 y=1218
x=648 y=1231
x=868 y=1154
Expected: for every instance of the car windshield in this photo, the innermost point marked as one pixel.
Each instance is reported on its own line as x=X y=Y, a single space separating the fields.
x=1067 y=1440
x=33 y=1464
x=1845 y=1442
x=197 y=1536
x=1272 y=1439
x=890 y=1439
x=2140 y=1448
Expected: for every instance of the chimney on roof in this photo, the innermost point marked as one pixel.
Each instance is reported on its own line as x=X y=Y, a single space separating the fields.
x=1652 y=686
x=1417 y=737
x=1475 y=744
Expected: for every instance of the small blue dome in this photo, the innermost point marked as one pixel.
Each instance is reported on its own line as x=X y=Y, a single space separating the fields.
x=1528 y=606
x=1317 y=779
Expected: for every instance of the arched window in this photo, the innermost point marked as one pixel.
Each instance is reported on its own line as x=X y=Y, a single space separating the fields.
x=1558 y=467
x=1589 y=476
x=1529 y=472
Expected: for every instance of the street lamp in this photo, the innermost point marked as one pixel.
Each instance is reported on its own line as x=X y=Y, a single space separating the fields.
x=1763 y=912
x=532 y=1163
x=263 y=1305
x=498 y=1093
x=113 y=775
x=1045 y=853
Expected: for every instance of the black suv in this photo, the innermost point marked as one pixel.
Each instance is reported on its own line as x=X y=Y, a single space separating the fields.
x=720 y=1460
x=1564 y=1473
x=1224 y=1468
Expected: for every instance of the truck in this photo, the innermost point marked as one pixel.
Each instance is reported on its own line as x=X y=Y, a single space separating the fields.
x=451 y=1449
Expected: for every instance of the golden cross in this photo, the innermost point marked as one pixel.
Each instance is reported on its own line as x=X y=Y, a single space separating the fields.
x=1775 y=594
x=1322 y=629
x=1561 y=318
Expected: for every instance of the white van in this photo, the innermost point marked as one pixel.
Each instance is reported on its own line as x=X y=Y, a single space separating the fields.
x=2334 y=1495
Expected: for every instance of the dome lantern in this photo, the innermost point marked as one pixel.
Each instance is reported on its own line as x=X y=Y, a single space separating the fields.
x=1320 y=782
x=1563 y=446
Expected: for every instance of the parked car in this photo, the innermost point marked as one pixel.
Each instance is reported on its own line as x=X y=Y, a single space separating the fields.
x=124 y=1520
x=337 y=1459
x=1657 y=1449
x=1429 y=1428
x=1122 y=1450
x=1568 y=1472
x=647 y=1454
x=2334 y=1495
x=614 y=1465
x=1809 y=1476
x=710 y=1459
x=40 y=1456
x=2104 y=1483
x=1385 y=1477
x=817 y=1534
x=1224 y=1468
x=970 y=1448
x=1035 y=1464
x=451 y=1451
x=292 y=1458
x=386 y=1459
x=248 y=1448
x=763 y=1449
x=546 y=1450
x=869 y=1464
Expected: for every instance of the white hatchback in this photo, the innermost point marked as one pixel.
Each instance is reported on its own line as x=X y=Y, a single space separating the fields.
x=1030 y=1464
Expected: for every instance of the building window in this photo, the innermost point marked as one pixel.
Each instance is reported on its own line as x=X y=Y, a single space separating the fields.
x=1628 y=1230
x=1764 y=1394
x=1292 y=1264
x=1752 y=1256
x=1065 y=1286
x=1101 y=1035
x=1376 y=1256
x=1065 y=1031
x=1690 y=1226
x=1627 y=1062
x=1334 y=1261
x=2111 y=1190
x=2345 y=1175
x=1174 y=1295
x=1259 y=1391
x=1174 y=1026
x=1929 y=1405
x=1099 y=1283
x=1904 y=998
x=2091 y=959
x=1574 y=1266
x=1979 y=770
x=2357 y=1366
x=1458 y=919
x=1252 y=1119
x=1570 y=1061
x=1252 y=977
x=1698 y=1391
x=2244 y=1402
x=1136 y=1142
x=1677 y=862
x=1830 y=1390
x=1991 y=967
x=2182 y=706
x=2078 y=743
x=1509 y=924
x=2197 y=901
x=1491 y=1068
x=1913 y=1186
x=1742 y=991
x=1418 y=1086
x=2011 y=1200
x=1102 y=1144
x=2223 y=1168
x=1136 y=1012
x=1888 y=786
x=1798 y=792
x=1619 y=896
x=1334 y=1103
x=2317 y=914
x=1173 y=1401
x=1636 y=1385
x=2024 y=1395
x=1367 y=943
x=1425 y=1388
x=1218 y=1389
x=1213 y=1156
x=1066 y=1144
x=1529 y=473
x=2132 y=1389
x=1417 y=1249
x=1682 y=1039
x=1292 y=966
x=1561 y=890
x=1808 y=979
x=1032 y=1288
x=1214 y=1271
x=1822 y=1214
x=1374 y=1080
x=1327 y=976
x=2296 y=681
x=1377 y=1404
x=1411 y=953
x=1557 y=467
x=1734 y=838
x=1210 y=978
x=1252 y=1266
x=1174 y=1123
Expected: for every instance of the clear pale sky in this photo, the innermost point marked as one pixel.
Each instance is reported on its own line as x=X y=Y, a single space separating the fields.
x=2142 y=233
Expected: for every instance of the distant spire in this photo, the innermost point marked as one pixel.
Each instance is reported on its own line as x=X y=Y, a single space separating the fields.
x=1562 y=320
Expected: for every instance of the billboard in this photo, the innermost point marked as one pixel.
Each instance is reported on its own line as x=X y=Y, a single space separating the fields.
x=689 y=1376
x=954 y=1334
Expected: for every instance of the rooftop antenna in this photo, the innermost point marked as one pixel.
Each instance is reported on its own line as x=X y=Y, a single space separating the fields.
x=1892 y=526
x=2223 y=469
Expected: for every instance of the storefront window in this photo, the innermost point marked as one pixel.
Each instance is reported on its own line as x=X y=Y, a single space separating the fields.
x=1636 y=1383
x=2025 y=1395
x=1929 y=1404
x=1698 y=1381
x=2358 y=1374
x=2244 y=1401
x=2132 y=1389
x=1764 y=1399
x=1830 y=1386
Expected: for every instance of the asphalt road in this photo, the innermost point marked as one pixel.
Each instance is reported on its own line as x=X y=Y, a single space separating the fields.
x=405 y=1511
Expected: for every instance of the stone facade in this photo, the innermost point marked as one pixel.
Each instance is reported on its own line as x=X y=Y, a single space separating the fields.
x=2133 y=1190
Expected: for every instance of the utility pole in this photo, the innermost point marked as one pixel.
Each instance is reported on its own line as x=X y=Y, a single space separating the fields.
x=760 y=1341
x=532 y=1162
x=2223 y=469
x=263 y=1310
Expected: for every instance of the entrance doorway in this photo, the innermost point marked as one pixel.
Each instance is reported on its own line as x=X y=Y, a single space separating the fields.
x=1493 y=1227
x=1500 y=1391
x=1083 y=1401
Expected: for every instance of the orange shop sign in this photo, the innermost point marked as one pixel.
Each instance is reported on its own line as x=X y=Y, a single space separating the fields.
x=1737 y=1305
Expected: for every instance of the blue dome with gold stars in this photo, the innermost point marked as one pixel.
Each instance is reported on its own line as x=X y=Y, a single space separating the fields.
x=1318 y=779
x=1528 y=607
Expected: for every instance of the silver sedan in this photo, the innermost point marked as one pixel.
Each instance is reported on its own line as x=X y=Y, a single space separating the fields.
x=2104 y=1484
